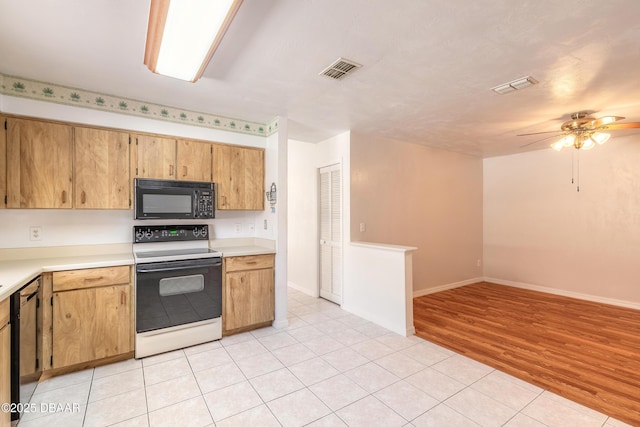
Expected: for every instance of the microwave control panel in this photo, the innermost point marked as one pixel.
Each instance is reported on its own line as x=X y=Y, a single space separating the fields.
x=205 y=204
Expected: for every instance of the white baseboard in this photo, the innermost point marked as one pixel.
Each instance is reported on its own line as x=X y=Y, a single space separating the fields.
x=302 y=289
x=578 y=295
x=446 y=287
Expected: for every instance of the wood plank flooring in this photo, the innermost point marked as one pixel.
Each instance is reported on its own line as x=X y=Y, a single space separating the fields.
x=585 y=351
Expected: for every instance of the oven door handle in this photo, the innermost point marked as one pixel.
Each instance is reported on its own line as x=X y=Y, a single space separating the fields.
x=165 y=267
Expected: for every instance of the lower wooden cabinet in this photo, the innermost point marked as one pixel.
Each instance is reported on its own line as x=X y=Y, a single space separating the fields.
x=5 y=362
x=91 y=315
x=248 y=292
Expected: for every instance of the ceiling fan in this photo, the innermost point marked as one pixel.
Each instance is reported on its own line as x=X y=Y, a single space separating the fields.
x=583 y=132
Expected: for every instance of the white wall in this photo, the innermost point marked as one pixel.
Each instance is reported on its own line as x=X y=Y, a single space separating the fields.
x=76 y=227
x=304 y=161
x=538 y=231
x=413 y=195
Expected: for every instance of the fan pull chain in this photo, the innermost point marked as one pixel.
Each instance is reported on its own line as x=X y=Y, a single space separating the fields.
x=578 y=171
x=573 y=162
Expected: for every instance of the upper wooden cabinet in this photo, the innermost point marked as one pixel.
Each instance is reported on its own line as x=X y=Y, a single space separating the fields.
x=3 y=162
x=156 y=157
x=194 y=160
x=239 y=175
x=101 y=169
x=39 y=164
x=163 y=158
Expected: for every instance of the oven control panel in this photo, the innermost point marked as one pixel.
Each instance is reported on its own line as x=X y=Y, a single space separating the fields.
x=170 y=233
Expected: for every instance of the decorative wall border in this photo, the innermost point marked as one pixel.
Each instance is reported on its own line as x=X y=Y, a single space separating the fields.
x=50 y=92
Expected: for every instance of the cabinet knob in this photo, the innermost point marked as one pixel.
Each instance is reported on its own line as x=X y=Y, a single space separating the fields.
x=64 y=197
x=83 y=197
x=184 y=171
x=170 y=170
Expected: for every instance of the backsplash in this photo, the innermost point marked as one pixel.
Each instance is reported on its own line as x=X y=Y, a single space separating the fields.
x=86 y=227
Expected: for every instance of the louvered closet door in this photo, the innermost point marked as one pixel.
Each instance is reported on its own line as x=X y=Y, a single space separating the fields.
x=330 y=205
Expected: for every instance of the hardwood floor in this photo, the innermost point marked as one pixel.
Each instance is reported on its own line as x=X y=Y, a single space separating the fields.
x=585 y=351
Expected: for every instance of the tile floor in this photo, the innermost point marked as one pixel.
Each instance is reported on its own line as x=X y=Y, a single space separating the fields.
x=328 y=368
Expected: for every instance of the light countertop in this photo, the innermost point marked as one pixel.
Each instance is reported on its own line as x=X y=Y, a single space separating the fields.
x=16 y=272
x=243 y=246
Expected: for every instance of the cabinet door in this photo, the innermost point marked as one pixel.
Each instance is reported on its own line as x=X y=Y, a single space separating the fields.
x=239 y=174
x=90 y=324
x=249 y=298
x=101 y=169
x=253 y=179
x=5 y=373
x=156 y=157
x=194 y=161
x=3 y=162
x=39 y=159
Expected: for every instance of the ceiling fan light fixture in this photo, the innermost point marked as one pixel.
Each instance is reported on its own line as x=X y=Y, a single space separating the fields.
x=587 y=143
x=600 y=137
x=558 y=145
x=183 y=35
x=568 y=140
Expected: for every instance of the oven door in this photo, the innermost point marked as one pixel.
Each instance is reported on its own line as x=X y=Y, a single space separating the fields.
x=175 y=293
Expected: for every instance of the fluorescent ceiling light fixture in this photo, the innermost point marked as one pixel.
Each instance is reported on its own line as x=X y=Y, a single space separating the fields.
x=513 y=85
x=183 y=35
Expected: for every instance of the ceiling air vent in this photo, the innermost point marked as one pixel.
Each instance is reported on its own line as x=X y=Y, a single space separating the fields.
x=340 y=69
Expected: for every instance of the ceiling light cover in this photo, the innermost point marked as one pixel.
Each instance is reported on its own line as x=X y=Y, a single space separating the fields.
x=514 y=85
x=183 y=35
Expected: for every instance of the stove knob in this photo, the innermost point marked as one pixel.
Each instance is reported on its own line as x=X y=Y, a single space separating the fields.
x=203 y=232
x=148 y=234
x=139 y=235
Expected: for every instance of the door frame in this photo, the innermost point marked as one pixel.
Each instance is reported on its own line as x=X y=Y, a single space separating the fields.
x=318 y=234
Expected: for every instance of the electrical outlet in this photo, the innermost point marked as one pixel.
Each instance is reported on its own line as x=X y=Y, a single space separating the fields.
x=478 y=263
x=35 y=233
x=238 y=228
x=363 y=227
x=250 y=227
x=265 y=224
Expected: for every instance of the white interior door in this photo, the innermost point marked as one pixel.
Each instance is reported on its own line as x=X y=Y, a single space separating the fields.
x=330 y=206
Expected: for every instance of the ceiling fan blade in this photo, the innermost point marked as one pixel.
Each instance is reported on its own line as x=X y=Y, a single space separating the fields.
x=538 y=140
x=540 y=133
x=606 y=120
x=616 y=126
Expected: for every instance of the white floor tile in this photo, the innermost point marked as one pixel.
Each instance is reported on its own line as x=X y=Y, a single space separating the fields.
x=172 y=391
x=372 y=349
x=260 y=416
x=425 y=354
x=322 y=345
x=236 y=338
x=162 y=357
x=396 y=342
x=480 y=408
x=521 y=420
x=219 y=377
x=74 y=417
x=306 y=333
x=345 y=359
x=371 y=377
x=117 y=368
x=293 y=354
x=298 y=408
x=338 y=392
x=276 y=384
x=331 y=420
x=139 y=421
x=400 y=365
x=192 y=412
x=507 y=390
x=164 y=371
x=208 y=359
x=463 y=369
x=332 y=327
x=407 y=400
x=245 y=349
x=202 y=347
x=349 y=337
x=313 y=371
x=442 y=415
x=232 y=400
x=276 y=341
x=435 y=384
x=112 y=385
x=370 y=412
x=77 y=394
x=554 y=413
x=116 y=409
x=64 y=380
x=259 y=365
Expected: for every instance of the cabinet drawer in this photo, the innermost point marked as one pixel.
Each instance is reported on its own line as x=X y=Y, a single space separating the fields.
x=4 y=312
x=90 y=278
x=250 y=262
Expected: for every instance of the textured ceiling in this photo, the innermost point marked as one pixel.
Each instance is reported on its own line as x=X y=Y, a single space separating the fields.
x=428 y=65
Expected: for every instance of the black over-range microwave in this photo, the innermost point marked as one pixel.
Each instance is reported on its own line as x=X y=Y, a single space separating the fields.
x=165 y=199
